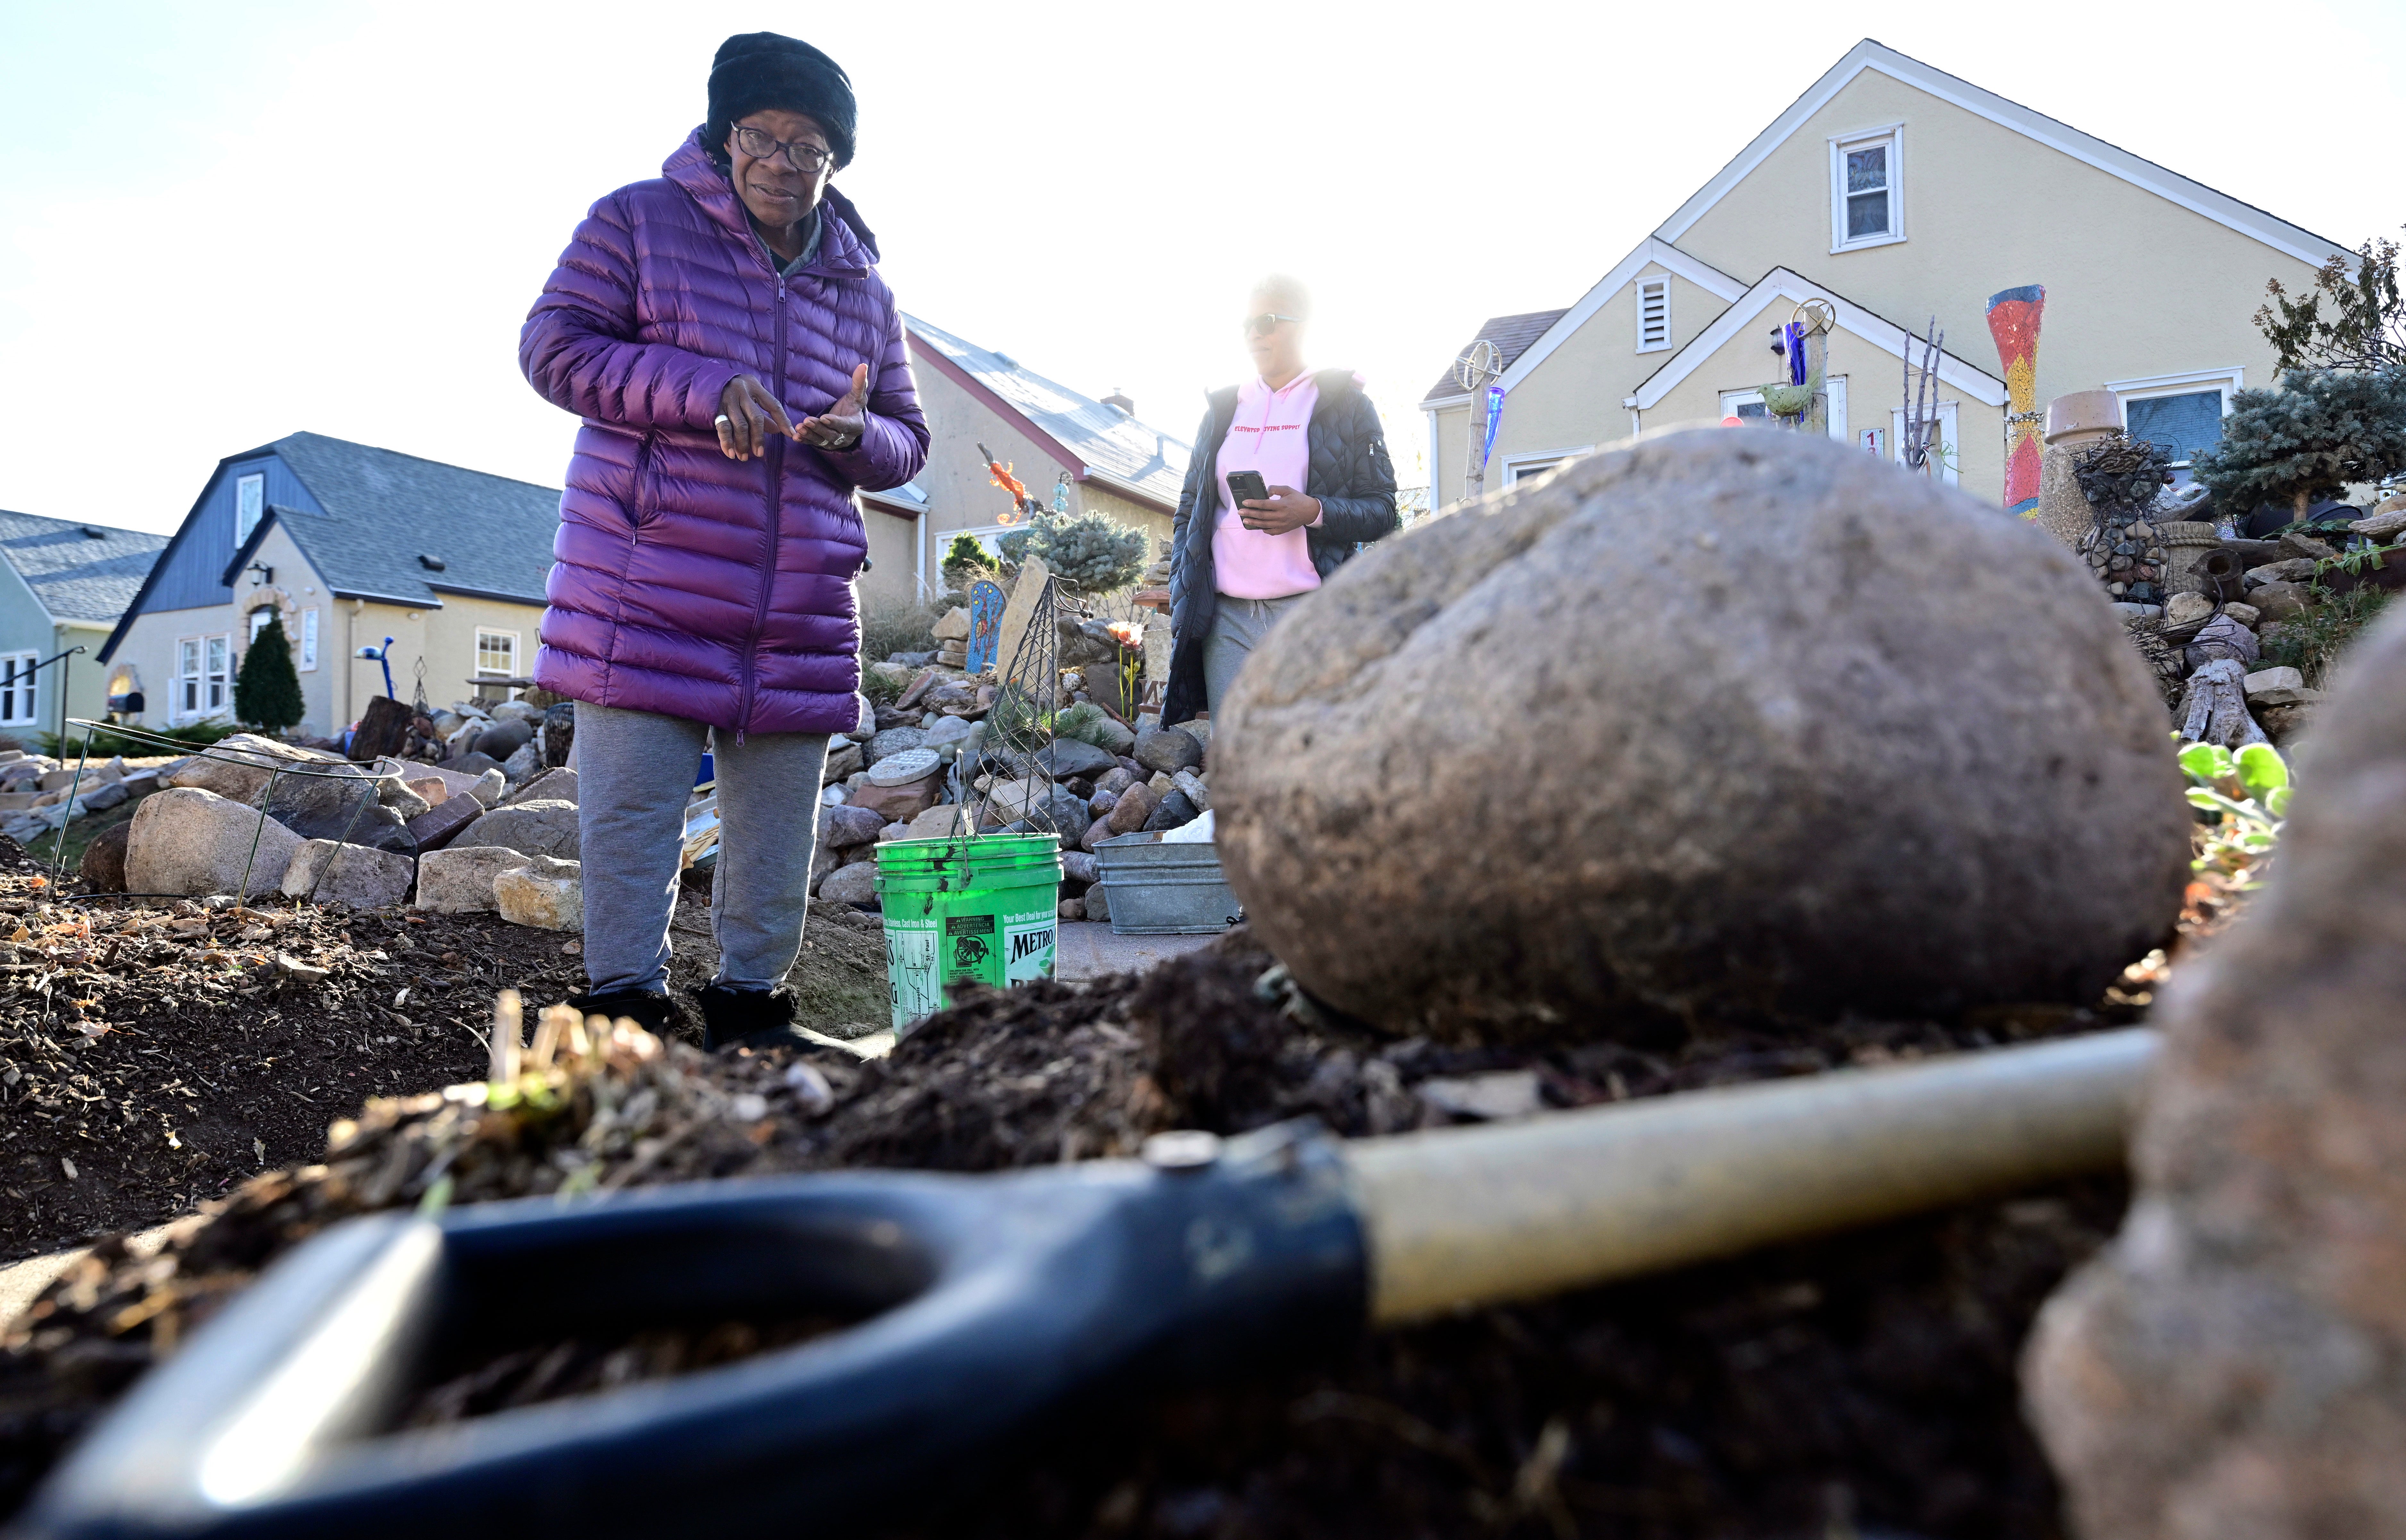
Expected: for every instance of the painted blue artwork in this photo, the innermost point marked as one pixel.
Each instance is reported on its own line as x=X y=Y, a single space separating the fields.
x=985 y=624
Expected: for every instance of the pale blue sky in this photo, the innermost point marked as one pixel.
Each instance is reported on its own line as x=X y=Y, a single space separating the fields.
x=227 y=223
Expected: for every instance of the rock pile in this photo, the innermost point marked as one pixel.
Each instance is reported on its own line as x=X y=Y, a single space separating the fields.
x=2231 y=1366
x=2121 y=479
x=922 y=768
x=1869 y=745
x=39 y=794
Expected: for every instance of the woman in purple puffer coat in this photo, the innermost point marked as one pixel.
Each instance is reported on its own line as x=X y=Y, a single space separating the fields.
x=741 y=370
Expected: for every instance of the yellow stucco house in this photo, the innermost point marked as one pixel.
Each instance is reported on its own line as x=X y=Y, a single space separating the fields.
x=1089 y=456
x=346 y=544
x=1896 y=192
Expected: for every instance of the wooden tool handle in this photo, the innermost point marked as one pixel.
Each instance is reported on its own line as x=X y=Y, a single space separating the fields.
x=1468 y=1216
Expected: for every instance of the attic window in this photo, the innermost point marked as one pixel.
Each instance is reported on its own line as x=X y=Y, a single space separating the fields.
x=1867 y=189
x=1653 y=314
x=432 y=564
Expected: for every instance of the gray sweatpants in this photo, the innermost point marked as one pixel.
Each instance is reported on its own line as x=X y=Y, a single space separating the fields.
x=634 y=777
x=1238 y=626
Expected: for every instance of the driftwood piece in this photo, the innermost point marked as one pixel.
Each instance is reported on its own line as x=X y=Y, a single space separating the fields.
x=2215 y=709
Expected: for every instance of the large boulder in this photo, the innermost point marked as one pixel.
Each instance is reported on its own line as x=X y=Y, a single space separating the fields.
x=853 y=884
x=543 y=828
x=1725 y=723
x=553 y=785
x=2230 y=1367
x=192 y=840
x=460 y=880
x=237 y=767
x=1169 y=750
x=334 y=800
x=545 y=894
x=357 y=875
x=1068 y=758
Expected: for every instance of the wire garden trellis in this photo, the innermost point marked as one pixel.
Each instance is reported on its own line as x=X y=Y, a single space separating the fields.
x=370 y=780
x=1019 y=725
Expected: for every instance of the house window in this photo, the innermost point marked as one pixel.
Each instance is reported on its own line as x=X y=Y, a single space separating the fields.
x=1528 y=467
x=1866 y=182
x=259 y=619
x=309 y=641
x=1944 y=458
x=216 y=653
x=2185 y=424
x=497 y=658
x=249 y=502
x=17 y=691
x=1746 y=406
x=202 y=677
x=1653 y=314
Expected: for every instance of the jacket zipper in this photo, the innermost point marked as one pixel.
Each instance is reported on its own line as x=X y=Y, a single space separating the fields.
x=776 y=481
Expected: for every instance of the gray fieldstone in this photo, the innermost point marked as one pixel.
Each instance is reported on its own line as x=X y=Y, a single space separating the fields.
x=1868 y=746
x=360 y=876
x=845 y=826
x=1135 y=805
x=241 y=773
x=458 y=880
x=538 y=828
x=1173 y=811
x=1168 y=749
x=2265 y=681
x=2229 y=1367
x=108 y=794
x=103 y=868
x=1098 y=902
x=893 y=740
x=853 y=884
x=945 y=822
x=556 y=785
x=192 y=840
x=523 y=765
x=501 y=740
x=544 y=894
x=1068 y=758
x=843 y=760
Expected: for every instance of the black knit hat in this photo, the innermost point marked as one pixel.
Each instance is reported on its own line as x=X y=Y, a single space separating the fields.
x=758 y=70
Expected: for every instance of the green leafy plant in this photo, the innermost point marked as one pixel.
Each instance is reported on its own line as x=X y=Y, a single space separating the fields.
x=2322 y=430
x=965 y=561
x=2364 y=326
x=1087 y=723
x=2248 y=793
x=267 y=690
x=106 y=743
x=2312 y=641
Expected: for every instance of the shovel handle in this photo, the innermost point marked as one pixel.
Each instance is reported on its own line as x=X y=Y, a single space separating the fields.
x=1469 y=1216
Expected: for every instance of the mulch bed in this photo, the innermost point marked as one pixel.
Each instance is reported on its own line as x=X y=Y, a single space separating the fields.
x=1865 y=1380
x=151 y=1058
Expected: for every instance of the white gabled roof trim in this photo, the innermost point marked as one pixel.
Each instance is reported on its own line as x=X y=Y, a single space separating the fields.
x=2198 y=198
x=1649 y=252
x=1780 y=284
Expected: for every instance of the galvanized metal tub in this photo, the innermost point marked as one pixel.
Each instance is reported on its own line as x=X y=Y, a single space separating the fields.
x=1158 y=889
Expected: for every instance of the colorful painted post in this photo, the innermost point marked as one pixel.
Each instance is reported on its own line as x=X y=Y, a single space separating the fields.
x=2014 y=321
x=985 y=624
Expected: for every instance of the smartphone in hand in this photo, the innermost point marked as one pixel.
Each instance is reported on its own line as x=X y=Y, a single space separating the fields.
x=1247 y=487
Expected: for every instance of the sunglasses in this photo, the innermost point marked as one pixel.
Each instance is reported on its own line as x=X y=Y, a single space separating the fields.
x=1265 y=323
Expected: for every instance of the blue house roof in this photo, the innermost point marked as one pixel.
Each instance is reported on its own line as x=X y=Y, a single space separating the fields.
x=79 y=572
x=373 y=523
x=1113 y=446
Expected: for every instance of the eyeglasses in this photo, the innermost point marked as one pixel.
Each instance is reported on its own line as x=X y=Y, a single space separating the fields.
x=808 y=158
x=1265 y=323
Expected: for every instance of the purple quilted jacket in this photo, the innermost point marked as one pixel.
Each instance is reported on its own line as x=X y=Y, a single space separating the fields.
x=688 y=583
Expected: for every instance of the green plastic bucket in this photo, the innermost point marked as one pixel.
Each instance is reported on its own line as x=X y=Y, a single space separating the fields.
x=980 y=911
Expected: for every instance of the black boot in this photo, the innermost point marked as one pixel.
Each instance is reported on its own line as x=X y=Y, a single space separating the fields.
x=754 y=1018
x=654 y=1012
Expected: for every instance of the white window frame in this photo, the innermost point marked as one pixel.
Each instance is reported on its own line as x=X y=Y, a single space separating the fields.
x=256 y=622
x=20 y=703
x=1833 y=385
x=1536 y=462
x=516 y=654
x=1659 y=284
x=188 y=673
x=1950 y=414
x=1891 y=135
x=249 y=505
x=217 y=684
x=308 y=659
x=2196 y=382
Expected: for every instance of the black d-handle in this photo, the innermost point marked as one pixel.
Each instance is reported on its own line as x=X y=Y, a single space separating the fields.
x=988 y=1300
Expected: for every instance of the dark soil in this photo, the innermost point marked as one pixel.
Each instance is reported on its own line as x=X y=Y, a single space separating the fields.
x=1866 y=1381
x=164 y=1054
